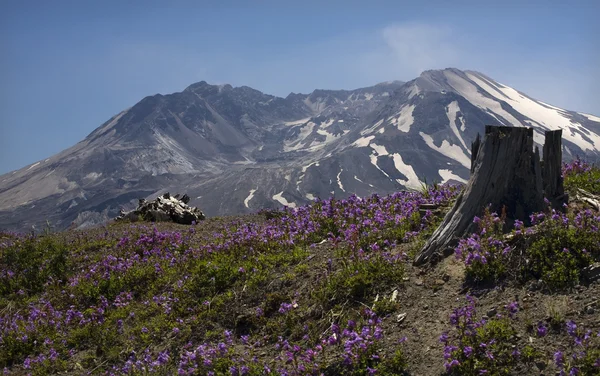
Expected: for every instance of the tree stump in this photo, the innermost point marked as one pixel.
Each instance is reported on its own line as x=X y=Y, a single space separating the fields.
x=552 y=170
x=507 y=176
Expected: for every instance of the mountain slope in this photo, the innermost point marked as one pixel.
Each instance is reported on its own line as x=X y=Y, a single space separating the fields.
x=236 y=150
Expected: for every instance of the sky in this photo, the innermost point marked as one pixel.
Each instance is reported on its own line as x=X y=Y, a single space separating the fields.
x=68 y=66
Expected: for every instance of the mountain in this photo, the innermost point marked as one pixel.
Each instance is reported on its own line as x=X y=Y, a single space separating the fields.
x=235 y=150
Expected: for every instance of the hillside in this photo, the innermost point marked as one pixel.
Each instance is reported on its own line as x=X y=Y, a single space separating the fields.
x=324 y=288
x=237 y=150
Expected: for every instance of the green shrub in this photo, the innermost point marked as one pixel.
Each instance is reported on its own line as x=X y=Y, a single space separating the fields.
x=30 y=263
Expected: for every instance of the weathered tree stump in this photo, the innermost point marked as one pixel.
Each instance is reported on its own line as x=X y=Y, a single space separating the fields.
x=507 y=175
x=552 y=170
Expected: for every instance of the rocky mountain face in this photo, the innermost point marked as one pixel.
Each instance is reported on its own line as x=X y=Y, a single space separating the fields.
x=236 y=150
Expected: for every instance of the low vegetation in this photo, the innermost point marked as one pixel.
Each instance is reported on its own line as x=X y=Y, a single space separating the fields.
x=327 y=288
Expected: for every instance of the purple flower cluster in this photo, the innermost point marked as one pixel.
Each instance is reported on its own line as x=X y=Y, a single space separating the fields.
x=484 y=252
x=144 y=363
x=584 y=356
x=106 y=287
x=576 y=166
x=556 y=247
x=357 y=342
x=479 y=346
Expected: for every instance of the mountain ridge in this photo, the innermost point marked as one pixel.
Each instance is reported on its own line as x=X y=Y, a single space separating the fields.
x=236 y=149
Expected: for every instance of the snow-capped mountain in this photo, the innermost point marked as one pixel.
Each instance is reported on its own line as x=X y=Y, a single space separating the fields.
x=236 y=150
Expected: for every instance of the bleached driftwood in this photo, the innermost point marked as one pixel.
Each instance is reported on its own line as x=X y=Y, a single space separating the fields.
x=165 y=208
x=589 y=198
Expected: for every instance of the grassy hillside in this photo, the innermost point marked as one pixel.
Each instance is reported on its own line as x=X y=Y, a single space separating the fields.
x=323 y=289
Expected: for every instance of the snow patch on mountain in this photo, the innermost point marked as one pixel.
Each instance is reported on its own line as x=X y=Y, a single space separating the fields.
x=380 y=150
x=592 y=117
x=404 y=118
x=452 y=110
x=33 y=165
x=317 y=106
x=449 y=150
x=357 y=179
x=310 y=164
x=250 y=196
x=304 y=168
x=406 y=170
x=546 y=117
x=372 y=128
x=373 y=159
x=363 y=141
x=279 y=198
x=329 y=137
x=414 y=90
x=297 y=122
x=470 y=92
x=339 y=181
x=549 y=117
x=327 y=123
x=297 y=143
x=449 y=175
x=92 y=175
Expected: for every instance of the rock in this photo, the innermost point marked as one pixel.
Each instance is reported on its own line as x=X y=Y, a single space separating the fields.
x=591 y=273
x=541 y=365
x=164 y=209
x=589 y=310
x=535 y=285
x=401 y=317
x=419 y=282
x=491 y=312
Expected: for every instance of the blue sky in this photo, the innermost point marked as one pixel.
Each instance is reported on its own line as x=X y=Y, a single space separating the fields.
x=68 y=66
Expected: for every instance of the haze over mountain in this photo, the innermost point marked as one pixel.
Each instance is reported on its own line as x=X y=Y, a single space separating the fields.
x=236 y=150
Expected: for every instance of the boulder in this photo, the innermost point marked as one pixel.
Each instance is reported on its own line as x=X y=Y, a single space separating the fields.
x=591 y=273
x=165 y=208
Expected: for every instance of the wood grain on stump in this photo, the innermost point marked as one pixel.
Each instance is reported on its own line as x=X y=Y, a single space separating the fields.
x=506 y=175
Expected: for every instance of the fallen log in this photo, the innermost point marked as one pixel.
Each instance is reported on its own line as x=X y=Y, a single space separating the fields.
x=589 y=198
